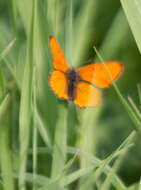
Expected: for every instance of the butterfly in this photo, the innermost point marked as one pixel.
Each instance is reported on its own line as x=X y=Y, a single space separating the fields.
x=80 y=86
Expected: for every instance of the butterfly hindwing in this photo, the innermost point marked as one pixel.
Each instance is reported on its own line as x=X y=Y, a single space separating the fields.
x=58 y=83
x=97 y=74
x=59 y=61
x=86 y=95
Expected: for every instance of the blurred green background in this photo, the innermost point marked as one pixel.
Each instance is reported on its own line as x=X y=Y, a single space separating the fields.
x=78 y=26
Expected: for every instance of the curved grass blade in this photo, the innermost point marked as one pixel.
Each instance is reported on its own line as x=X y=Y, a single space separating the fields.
x=132 y=10
x=96 y=174
x=128 y=108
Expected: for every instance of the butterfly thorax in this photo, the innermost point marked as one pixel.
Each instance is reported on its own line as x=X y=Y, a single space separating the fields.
x=72 y=79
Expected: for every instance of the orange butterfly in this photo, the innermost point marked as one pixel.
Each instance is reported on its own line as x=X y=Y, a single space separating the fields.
x=80 y=86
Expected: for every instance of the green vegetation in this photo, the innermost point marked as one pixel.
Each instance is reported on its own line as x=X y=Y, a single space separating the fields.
x=50 y=144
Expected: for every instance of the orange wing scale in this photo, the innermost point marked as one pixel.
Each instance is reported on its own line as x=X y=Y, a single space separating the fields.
x=58 y=84
x=86 y=95
x=97 y=74
x=59 y=61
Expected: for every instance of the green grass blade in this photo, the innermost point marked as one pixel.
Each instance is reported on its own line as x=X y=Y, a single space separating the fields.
x=37 y=179
x=25 y=108
x=24 y=9
x=35 y=156
x=6 y=50
x=96 y=174
x=10 y=53
x=55 y=12
x=66 y=180
x=107 y=183
x=60 y=143
x=139 y=184
x=134 y=187
x=68 y=32
x=132 y=10
x=5 y=156
x=96 y=162
x=34 y=93
x=69 y=163
x=75 y=176
x=3 y=106
x=48 y=107
x=139 y=92
x=115 y=180
x=35 y=132
x=41 y=128
x=63 y=181
x=135 y=108
x=87 y=15
x=2 y=85
x=52 y=186
x=114 y=38
x=88 y=138
x=128 y=108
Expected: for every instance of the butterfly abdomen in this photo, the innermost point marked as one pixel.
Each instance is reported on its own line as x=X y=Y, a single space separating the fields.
x=72 y=79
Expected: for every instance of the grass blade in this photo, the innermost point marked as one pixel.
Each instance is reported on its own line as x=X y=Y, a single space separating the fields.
x=135 y=107
x=38 y=179
x=3 y=106
x=25 y=108
x=60 y=143
x=42 y=130
x=90 y=10
x=112 y=44
x=34 y=102
x=132 y=10
x=96 y=174
x=128 y=108
x=107 y=183
x=139 y=92
x=5 y=157
x=4 y=53
x=68 y=32
x=24 y=8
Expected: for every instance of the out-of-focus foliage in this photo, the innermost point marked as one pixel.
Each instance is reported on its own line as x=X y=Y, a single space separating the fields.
x=24 y=71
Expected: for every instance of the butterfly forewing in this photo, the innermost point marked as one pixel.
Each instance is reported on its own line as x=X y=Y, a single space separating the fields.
x=86 y=95
x=58 y=83
x=97 y=74
x=59 y=61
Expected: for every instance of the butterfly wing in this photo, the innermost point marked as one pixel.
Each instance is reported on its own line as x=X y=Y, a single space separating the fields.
x=97 y=74
x=59 y=61
x=58 y=83
x=86 y=95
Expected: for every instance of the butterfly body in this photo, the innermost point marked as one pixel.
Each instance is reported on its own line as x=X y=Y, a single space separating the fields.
x=79 y=85
x=72 y=80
